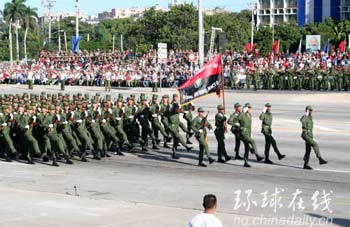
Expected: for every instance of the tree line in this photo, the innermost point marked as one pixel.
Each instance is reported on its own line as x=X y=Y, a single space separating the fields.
x=177 y=27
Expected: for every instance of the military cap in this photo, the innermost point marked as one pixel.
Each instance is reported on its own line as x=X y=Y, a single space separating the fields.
x=108 y=97
x=248 y=105
x=54 y=96
x=175 y=95
x=200 y=109
x=268 y=105
x=48 y=95
x=86 y=96
x=309 y=108
x=60 y=94
x=120 y=100
x=98 y=94
x=132 y=96
x=25 y=94
x=51 y=107
x=67 y=95
x=143 y=98
x=79 y=94
x=155 y=97
x=120 y=95
x=165 y=96
x=237 y=104
x=220 y=107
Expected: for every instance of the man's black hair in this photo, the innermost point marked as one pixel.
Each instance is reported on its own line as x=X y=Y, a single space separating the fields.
x=209 y=201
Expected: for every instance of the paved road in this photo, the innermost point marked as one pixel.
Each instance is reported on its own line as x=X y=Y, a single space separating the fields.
x=150 y=189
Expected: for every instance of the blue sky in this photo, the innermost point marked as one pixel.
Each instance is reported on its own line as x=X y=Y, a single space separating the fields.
x=92 y=7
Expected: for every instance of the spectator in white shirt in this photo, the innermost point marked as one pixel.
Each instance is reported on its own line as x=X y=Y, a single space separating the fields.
x=207 y=218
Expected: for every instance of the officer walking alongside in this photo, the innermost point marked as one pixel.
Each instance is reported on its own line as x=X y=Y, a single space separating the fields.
x=235 y=129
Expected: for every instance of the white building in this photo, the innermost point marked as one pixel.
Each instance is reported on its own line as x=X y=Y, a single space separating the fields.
x=117 y=13
x=344 y=10
x=276 y=11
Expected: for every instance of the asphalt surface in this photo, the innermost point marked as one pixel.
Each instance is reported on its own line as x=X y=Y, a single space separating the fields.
x=151 y=189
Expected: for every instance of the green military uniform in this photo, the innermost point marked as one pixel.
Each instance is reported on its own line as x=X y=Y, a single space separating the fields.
x=118 y=114
x=245 y=121
x=235 y=129
x=220 y=131
x=266 y=130
x=188 y=116
x=164 y=113
x=200 y=126
x=5 y=140
x=157 y=127
x=307 y=135
x=129 y=124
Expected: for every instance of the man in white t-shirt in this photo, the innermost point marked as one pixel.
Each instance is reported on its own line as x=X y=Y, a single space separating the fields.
x=207 y=218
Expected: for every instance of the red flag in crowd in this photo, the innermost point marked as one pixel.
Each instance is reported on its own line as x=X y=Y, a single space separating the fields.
x=276 y=46
x=342 y=45
x=249 y=48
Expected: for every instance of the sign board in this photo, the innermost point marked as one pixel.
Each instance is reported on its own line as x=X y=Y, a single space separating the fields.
x=222 y=42
x=162 y=52
x=313 y=43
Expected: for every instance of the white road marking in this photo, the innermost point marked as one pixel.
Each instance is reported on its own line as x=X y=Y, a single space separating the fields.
x=315 y=126
x=332 y=170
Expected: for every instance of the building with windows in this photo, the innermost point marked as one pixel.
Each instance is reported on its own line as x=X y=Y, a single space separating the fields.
x=344 y=10
x=276 y=11
x=301 y=11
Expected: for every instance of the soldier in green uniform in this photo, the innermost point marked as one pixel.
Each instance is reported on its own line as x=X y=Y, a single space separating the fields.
x=307 y=135
x=164 y=113
x=174 y=125
x=256 y=79
x=188 y=116
x=245 y=121
x=6 y=142
x=118 y=114
x=266 y=130
x=130 y=129
x=220 y=131
x=143 y=116
x=235 y=129
x=200 y=125
x=157 y=127
x=155 y=81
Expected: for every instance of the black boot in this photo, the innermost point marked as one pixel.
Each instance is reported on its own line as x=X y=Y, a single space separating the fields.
x=259 y=158
x=246 y=164
x=144 y=148
x=281 y=156
x=174 y=156
x=220 y=160
x=211 y=160
x=188 y=141
x=201 y=164
x=30 y=162
x=69 y=162
x=45 y=159
x=189 y=148
x=227 y=158
x=237 y=157
x=306 y=166
x=322 y=161
x=54 y=163
x=155 y=147
x=268 y=161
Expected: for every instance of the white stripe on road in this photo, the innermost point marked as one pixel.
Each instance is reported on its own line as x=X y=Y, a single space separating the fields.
x=315 y=126
x=332 y=170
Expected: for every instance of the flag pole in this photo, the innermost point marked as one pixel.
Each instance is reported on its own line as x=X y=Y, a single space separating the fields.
x=223 y=94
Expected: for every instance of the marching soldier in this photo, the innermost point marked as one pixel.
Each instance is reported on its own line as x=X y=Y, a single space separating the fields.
x=200 y=125
x=307 y=135
x=220 y=131
x=157 y=127
x=235 y=129
x=266 y=130
x=245 y=121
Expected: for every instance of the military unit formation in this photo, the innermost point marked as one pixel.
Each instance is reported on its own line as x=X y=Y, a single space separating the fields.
x=51 y=127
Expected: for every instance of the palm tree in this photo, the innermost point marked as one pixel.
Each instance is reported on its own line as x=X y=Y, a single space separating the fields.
x=14 y=12
x=30 y=21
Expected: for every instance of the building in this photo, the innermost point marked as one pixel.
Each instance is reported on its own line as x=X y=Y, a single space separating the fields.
x=176 y=3
x=117 y=13
x=276 y=11
x=310 y=11
x=344 y=10
x=301 y=11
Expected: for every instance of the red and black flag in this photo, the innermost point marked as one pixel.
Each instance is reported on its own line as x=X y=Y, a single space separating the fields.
x=206 y=81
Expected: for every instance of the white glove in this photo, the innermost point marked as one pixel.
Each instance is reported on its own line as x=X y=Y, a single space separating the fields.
x=25 y=113
x=245 y=109
x=226 y=116
x=200 y=130
x=226 y=135
x=89 y=105
x=58 y=117
x=1 y=114
x=238 y=124
x=11 y=116
x=211 y=130
x=86 y=113
x=99 y=111
x=154 y=115
x=118 y=118
x=34 y=118
x=186 y=112
x=50 y=125
x=26 y=127
x=264 y=110
x=131 y=116
x=110 y=111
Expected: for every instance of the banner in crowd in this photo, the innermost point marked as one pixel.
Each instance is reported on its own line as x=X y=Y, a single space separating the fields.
x=342 y=46
x=75 y=43
x=276 y=46
x=313 y=43
x=206 y=81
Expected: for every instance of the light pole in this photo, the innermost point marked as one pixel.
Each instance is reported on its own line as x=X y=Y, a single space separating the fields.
x=252 y=7
x=50 y=6
x=200 y=34
x=77 y=19
x=59 y=34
